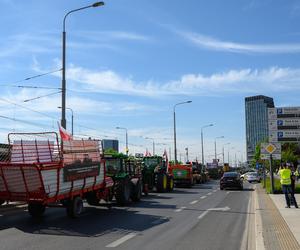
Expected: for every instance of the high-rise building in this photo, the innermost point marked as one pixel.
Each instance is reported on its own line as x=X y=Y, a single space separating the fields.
x=256 y=111
x=110 y=144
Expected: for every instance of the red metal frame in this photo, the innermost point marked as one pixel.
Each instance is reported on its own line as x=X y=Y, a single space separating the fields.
x=40 y=195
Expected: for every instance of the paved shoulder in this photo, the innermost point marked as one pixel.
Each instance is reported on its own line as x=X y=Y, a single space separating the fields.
x=276 y=233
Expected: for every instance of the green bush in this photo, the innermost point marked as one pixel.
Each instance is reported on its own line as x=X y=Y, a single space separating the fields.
x=277 y=186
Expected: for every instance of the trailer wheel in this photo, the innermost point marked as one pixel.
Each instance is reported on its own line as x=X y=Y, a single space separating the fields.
x=161 y=182
x=170 y=183
x=123 y=192
x=36 y=210
x=1 y=202
x=92 y=199
x=75 y=207
x=136 y=191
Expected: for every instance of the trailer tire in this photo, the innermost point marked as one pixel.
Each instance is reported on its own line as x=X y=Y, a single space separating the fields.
x=92 y=199
x=123 y=192
x=75 y=207
x=36 y=210
x=161 y=182
x=170 y=183
x=136 y=191
x=1 y=202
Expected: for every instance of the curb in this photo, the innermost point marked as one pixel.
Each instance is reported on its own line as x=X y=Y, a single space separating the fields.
x=258 y=225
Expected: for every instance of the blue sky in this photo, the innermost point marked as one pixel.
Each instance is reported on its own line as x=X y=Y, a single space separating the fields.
x=129 y=62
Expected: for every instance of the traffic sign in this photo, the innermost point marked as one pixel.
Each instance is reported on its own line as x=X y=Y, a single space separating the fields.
x=284 y=124
x=288 y=112
x=284 y=136
x=268 y=149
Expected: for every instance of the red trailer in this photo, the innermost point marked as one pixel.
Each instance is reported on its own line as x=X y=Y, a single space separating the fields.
x=38 y=171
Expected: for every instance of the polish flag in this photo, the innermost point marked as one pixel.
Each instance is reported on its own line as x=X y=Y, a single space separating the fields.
x=165 y=155
x=147 y=153
x=64 y=135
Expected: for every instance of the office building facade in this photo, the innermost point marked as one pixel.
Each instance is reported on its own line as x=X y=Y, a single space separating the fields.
x=256 y=114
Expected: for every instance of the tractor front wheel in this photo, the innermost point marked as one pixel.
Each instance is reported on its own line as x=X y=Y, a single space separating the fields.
x=123 y=192
x=136 y=191
x=161 y=182
x=170 y=183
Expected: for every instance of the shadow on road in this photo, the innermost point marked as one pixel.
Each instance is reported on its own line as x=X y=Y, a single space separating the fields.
x=94 y=222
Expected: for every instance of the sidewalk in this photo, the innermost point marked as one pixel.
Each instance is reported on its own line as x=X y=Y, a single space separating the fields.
x=276 y=228
x=290 y=215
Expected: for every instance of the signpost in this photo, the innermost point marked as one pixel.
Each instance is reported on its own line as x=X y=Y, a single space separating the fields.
x=284 y=124
x=270 y=151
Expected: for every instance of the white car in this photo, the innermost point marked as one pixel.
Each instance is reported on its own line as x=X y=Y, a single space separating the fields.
x=253 y=177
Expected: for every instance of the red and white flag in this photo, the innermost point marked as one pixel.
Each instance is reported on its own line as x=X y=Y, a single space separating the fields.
x=147 y=153
x=166 y=156
x=64 y=134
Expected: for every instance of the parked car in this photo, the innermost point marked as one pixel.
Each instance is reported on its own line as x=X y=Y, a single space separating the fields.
x=253 y=177
x=231 y=180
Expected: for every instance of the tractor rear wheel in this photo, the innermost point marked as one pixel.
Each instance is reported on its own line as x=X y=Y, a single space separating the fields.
x=75 y=207
x=161 y=182
x=136 y=191
x=123 y=192
x=36 y=210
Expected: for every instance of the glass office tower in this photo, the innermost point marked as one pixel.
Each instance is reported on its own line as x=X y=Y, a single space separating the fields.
x=256 y=111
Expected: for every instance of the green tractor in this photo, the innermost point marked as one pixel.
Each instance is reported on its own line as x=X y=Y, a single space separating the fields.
x=127 y=176
x=155 y=175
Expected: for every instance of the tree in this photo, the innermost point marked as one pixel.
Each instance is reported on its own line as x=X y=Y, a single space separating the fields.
x=289 y=152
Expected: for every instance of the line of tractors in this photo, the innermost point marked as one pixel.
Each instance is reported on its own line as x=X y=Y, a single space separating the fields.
x=134 y=176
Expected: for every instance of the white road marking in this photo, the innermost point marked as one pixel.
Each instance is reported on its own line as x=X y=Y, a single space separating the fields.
x=159 y=221
x=180 y=209
x=202 y=215
x=215 y=190
x=121 y=240
x=203 y=197
x=209 y=194
x=193 y=202
x=219 y=209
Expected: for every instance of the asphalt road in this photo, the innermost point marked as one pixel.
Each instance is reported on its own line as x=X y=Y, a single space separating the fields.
x=202 y=217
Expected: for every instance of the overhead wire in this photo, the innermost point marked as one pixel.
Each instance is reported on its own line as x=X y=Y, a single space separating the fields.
x=30 y=78
x=41 y=96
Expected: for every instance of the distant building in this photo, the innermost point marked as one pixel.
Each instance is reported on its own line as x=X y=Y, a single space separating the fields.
x=110 y=144
x=256 y=112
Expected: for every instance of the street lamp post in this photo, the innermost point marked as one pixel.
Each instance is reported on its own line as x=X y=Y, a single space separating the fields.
x=71 y=118
x=206 y=126
x=223 y=152
x=228 y=153
x=63 y=88
x=126 y=139
x=153 y=144
x=219 y=137
x=174 y=115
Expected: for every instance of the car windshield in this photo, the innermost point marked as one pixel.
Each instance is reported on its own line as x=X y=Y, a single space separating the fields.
x=230 y=174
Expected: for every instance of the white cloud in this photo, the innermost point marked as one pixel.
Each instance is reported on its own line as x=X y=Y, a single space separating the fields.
x=245 y=81
x=207 y=42
x=113 y=35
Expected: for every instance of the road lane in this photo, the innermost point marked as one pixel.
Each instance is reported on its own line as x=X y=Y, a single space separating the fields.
x=149 y=224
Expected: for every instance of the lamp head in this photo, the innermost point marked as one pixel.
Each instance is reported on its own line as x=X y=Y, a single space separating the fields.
x=97 y=4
